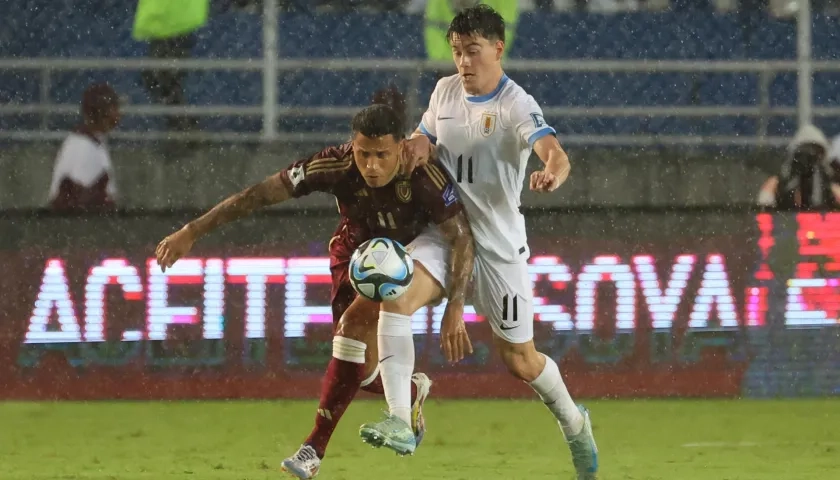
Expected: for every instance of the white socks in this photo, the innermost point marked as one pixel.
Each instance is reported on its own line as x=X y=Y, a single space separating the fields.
x=551 y=389
x=349 y=350
x=396 y=362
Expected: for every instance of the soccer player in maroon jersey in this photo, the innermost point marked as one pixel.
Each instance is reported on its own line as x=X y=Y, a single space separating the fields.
x=421 y=210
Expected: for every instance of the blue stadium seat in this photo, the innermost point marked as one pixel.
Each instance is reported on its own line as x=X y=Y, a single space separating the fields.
x=359 y=35
x=20 y=87
x=20 y=122
x=230 y=35
x=132 y=123
x=224 y=88
x=320 y=87
x=67 y=86
x=772 y=40
x=231 y=124
x=826 y=89
x=607 y=89
x=102 y=28
x=734 y=89
x=825 y=37
x=783 y=90
x=782 y=126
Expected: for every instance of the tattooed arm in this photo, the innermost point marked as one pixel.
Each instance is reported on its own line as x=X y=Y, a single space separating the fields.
x=319 y=173
x=454 y=340
x=457 y=232
x=270 y=191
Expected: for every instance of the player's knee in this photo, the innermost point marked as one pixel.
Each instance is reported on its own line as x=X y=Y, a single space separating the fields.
x=521 y=359
x=401 y=306
x=424 y=290
x=359 y=320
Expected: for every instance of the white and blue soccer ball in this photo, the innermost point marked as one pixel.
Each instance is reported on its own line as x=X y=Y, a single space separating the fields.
x=381 y=269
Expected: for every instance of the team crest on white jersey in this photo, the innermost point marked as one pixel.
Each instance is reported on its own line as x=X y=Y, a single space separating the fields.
x=488 y=124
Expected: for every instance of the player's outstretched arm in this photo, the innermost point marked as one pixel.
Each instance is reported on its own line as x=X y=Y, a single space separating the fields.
x=557 y=166
x=270 y=191
x=454 y=339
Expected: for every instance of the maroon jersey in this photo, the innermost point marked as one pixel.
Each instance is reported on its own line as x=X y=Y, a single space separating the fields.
x=400 y=210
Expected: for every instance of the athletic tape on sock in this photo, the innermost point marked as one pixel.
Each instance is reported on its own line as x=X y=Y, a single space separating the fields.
x=349 y=350
x=371 y=378
x=394 y=325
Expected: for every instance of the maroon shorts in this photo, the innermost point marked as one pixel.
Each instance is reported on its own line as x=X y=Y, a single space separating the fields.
x=342 y=293
x=347 y=237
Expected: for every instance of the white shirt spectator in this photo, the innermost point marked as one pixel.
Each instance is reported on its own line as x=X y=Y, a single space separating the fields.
x=83 y=175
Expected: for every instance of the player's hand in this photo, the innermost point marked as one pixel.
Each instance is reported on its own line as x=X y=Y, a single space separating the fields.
x=454 y=341
x=542 y=181
x=173 y=247
x=415 y=153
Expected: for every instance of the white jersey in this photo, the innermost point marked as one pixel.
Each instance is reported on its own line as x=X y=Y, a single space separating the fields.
x=485 y=142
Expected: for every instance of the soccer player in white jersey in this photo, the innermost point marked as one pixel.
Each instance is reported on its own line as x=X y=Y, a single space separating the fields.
x=483 y=126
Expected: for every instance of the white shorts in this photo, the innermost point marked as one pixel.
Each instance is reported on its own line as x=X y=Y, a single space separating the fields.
x=432 y=250
x=502 y=292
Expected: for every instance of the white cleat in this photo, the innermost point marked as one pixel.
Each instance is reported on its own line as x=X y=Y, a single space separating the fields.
x=418 y=421
x=304 y=464
x=584 y=450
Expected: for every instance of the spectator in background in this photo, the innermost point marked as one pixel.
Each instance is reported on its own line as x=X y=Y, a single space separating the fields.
x=807 y=179
x=169 y=27
x=83 y=176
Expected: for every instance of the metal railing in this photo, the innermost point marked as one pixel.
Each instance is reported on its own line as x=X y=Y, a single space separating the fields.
x=269 y=110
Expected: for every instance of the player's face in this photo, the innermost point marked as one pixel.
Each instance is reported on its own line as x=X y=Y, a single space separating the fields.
x=478 y=61
x=377 y=158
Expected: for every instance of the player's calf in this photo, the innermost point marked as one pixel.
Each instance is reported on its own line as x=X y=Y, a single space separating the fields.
x=396 y=340
x=345 y=373
x=404 y=424
x=543 y=375
x=522 y=360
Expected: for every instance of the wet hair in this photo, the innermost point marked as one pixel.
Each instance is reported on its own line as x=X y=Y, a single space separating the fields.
x=377 y=121
x=98 y=100
x=478 y=21
x=392 y=97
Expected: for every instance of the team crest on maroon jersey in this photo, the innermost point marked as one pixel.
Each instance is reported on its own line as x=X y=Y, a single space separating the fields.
x=488 y=124
x=404 y=191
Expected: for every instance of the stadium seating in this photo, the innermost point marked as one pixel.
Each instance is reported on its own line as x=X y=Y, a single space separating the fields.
x=102 y=29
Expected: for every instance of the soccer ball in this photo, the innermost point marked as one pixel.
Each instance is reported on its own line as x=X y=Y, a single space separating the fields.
x=381 y=269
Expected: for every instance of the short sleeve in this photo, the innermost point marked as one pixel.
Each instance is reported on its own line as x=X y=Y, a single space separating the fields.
x=322 y=172
x=527 y=118
x=438 y=194
x=428 y=124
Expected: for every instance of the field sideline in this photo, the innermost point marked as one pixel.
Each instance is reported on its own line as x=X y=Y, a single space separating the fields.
x=481 y=440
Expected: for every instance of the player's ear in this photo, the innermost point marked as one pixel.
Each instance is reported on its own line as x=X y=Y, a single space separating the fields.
x=500 y=49
x=401 y=150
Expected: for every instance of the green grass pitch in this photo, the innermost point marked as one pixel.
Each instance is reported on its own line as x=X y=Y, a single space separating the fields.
x=481 y=440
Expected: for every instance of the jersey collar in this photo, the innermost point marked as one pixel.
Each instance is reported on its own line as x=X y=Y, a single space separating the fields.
x=489 y=96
